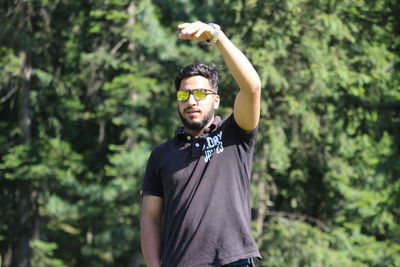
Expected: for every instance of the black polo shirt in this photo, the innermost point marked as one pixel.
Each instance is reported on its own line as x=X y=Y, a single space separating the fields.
x=205 y=186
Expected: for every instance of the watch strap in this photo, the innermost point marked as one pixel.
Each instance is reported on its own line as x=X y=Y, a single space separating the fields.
x=217 y=30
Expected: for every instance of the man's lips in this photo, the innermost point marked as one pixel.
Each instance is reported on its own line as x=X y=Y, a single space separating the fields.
x=192 y=111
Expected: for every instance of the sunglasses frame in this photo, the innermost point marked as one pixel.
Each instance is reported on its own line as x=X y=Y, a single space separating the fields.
x=191 y=92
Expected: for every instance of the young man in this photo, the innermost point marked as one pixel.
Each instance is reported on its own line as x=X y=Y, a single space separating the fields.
x=196 y=209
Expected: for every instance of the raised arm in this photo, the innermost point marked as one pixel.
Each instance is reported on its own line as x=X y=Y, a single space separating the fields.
x=247 y=102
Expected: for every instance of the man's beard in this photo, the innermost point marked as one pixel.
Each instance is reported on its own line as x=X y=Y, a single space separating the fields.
x=197 y=125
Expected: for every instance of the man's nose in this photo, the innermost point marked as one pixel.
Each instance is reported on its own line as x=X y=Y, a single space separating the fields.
x=192 y=100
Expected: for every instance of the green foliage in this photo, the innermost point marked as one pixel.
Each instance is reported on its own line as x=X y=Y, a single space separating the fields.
x=291 y=242
x=295 y=243
x=326 y=187
x=43 y=253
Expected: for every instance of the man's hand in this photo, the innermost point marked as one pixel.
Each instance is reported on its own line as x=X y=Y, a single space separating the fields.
x=197 y=31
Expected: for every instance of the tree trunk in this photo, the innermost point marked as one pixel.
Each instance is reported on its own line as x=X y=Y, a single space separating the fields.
x=25 y=219
x=24 y=227
x=131 y=23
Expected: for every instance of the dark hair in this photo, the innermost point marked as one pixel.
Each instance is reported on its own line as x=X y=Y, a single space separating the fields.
x=207 y=71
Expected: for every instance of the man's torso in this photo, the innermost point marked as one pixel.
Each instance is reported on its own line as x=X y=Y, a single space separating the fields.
x=205 y=186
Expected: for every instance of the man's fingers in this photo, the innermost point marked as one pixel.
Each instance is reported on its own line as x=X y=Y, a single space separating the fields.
x=183 y=25
x=194 y=30
x=200 y=31
x=189 y=28
x=184 y=36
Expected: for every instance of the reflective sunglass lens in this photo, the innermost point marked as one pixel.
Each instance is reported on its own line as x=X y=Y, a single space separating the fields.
x=182 y=95
x=199 y=94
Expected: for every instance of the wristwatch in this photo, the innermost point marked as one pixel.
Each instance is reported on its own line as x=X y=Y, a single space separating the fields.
x=217 y=29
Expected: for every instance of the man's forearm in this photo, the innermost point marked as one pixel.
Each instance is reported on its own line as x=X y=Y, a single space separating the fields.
x=240 y=67
x=151 y=241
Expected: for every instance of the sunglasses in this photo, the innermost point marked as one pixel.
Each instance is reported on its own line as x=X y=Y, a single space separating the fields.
x=199 y=94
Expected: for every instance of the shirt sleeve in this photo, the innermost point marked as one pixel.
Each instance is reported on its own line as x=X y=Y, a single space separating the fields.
x=248 y=138
x=152 y=184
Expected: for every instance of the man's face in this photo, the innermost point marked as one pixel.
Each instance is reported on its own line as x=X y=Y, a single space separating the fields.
x=197 y=114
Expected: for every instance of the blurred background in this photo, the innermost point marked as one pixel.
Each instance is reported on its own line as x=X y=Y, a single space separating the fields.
x=86 y=92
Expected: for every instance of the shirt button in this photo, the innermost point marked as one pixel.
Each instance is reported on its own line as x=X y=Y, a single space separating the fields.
x=188 y=138
x=196 y=145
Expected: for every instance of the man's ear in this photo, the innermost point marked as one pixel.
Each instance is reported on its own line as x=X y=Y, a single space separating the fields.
x=216 y=101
